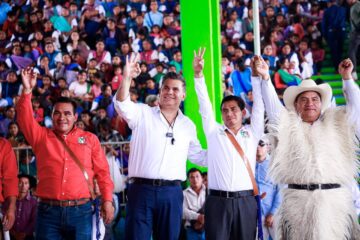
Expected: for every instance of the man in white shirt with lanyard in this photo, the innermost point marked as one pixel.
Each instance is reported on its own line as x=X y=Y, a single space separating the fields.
x=231 y=208
x=162 y=140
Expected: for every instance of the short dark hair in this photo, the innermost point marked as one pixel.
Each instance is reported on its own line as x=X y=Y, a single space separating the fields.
x=240 y=102
x=192 y=170
x=66 y=100
x=174 y=76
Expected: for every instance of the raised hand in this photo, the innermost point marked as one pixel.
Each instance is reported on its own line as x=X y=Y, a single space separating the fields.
x=132 y=68
x=28 y=79
x=345 y=69
x=198 y=62
x=259 y=67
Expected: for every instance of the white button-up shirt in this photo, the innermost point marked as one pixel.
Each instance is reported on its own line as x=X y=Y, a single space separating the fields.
x=192 y=203
x=152 y=154
x=226 y=169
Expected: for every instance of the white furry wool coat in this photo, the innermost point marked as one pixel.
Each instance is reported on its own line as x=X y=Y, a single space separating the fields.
x=321 y=153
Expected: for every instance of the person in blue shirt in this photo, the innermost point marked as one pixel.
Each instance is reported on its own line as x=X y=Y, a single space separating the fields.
x=270 y=203
x=334 y=30
x=154 y=17
x=240 y=78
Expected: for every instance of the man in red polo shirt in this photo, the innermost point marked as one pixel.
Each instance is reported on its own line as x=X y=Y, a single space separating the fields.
x=65 y=210
x=8 y=183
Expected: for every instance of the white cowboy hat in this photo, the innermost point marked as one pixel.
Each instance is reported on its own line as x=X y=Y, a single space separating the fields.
x=306 y=85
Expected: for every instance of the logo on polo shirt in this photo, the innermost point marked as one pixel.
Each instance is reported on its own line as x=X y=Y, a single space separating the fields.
x=81 y=140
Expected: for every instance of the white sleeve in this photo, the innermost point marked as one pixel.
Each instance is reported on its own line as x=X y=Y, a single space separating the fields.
x=129 y=110
x=74 y=23
x=206 y=109
x=257 y=114
x=8 y=62
x=273 y=106
x=195 y=153
x=107 y=58
x=352 y=95
x=163 y=58
x=101 y=10
x=154 y=55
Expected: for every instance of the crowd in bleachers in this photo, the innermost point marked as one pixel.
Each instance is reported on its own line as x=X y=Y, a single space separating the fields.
x=78 y=49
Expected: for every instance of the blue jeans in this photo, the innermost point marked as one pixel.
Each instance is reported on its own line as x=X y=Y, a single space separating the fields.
x=57 y=223
x=153 y=210
x=191 y=234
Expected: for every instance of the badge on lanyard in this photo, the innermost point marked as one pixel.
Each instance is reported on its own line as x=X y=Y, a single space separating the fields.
x=81 y=140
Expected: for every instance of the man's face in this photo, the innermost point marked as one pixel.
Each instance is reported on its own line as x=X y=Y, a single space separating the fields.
x=101 y=113
x=153 y=6
x=66 y=59
x=172 y=93
x=10 y=113
x=24 y=185
x=63 y=117
x=195 y=180
x=232 y=114
x=308 y=106
x=261 y=152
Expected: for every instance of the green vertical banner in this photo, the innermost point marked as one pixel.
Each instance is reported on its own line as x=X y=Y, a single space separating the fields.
x=200 y=27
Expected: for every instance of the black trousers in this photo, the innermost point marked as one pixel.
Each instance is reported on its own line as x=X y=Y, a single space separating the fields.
x=230 y=218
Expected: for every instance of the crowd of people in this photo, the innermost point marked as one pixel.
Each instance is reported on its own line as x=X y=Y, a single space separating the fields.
x=79 y=50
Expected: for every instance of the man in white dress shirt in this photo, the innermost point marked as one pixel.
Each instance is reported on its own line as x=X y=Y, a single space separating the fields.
x=162 y=140
x=193 y=206
x=231 y=208
x=315 y=156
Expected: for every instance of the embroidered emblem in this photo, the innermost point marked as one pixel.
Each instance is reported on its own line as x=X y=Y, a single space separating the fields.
x=244 y=134
x=81 y=140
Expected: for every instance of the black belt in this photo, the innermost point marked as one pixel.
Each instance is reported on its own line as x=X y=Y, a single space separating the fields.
x=225 y=194
x=155 y=182
x=312 y=187
x=64 y=203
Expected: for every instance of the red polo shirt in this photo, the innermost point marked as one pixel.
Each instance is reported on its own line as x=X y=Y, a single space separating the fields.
x=8 y=171
x=59 y=176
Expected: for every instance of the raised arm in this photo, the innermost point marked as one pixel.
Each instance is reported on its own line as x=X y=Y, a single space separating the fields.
x=257 y=114
x=131 y=70
x=351 y=93
x=273 y=106
x=122 y=103
x=25 y=116
x=206 y=111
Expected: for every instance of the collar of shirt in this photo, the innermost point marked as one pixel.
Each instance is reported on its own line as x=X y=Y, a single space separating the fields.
x=203 y=189
x=180 y=115
x=243 y=132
